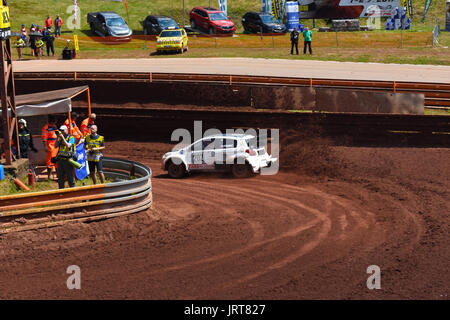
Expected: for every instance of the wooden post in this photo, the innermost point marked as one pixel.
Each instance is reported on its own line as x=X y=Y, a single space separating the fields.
x=8 y=102
x=89 y=101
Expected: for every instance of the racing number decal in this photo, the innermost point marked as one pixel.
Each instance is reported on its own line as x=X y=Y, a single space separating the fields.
x=5 y=17
x=197 y=157
x=4 y=22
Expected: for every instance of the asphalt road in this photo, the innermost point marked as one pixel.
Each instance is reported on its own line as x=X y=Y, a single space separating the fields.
x=248 y=66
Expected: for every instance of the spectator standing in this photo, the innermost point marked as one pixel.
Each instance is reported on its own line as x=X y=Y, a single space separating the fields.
x=66 y=151
x=49 y=39
x=39 y=46
x=32 y=28
x=23 y=34
x=307 y=34
x=48 y=22
x=294 y=40
x=19 y=45
x=94 y=144
x=33 y=40
x=58 y=25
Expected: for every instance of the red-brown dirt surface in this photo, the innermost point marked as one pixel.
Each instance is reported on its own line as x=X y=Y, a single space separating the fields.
x=309 y=232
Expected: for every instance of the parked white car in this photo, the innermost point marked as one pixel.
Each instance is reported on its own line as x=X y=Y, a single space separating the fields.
x=227 y=152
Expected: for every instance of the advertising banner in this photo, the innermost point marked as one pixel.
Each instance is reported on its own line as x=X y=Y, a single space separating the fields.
x=385 y=7
x=447 y=17
x=266 y=6
x=75 y=41
x=276 y=10
x=75 y=11
x=223 y=6
x=406 y=5
x=346 y=9
x=83 y=172
x=292 y=15
x=427 y=6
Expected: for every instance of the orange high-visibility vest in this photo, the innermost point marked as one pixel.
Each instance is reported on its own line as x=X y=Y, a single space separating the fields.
x=49 y=138
x=76 y=132
x=86 y=127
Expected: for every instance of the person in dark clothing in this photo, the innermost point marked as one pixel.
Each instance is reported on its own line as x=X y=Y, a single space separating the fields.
x=66 y=149
x=33 y=44
x=49 y=39
x=25 y=139
x=67 y=53
x=294 y=40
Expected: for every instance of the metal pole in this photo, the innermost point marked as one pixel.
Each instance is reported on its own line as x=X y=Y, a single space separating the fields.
x=337 y=43
x=7 y=92
x=184 y=22
x=401 y=36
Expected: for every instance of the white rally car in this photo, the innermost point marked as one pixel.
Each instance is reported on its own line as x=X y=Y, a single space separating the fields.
x=227 y=152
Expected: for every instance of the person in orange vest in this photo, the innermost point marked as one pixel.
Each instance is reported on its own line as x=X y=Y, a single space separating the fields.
x=49 y=138
x=48 y=22
x=76 y=132
x=58 y=24
x=87 y=123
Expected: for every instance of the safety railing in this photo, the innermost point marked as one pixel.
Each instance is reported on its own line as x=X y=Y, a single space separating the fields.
x=130 y=192
x=436 y=94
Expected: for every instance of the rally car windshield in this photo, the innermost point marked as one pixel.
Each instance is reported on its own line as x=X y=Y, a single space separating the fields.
x=171 y=34
x=252 y=142
x=166 y=23
x=269 y=19
x=217 y=16
x=114 y=22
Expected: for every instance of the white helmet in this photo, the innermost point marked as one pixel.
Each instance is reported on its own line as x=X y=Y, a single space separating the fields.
x=23 y=121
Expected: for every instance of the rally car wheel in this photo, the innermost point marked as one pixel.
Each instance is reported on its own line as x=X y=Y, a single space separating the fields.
x=241 y=170
x=193 y=26
x=176 y=171
x=211 y=30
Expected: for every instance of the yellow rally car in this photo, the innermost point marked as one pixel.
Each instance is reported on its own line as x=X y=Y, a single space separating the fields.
x=172 y=40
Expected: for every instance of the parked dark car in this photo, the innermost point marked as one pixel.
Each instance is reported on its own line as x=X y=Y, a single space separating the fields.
x=256 y=22
x=211 y=20
x=156 y=24
x=108 y=24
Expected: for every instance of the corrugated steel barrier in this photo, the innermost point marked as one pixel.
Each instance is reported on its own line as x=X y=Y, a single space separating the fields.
x=436 y=94
x=125 y=195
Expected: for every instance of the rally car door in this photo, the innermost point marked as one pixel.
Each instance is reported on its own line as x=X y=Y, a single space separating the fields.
x=201 y=154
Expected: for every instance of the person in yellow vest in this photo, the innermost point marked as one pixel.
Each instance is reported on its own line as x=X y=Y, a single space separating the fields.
x=19 y=45
x=39 y=46
x=94 y=143
x=66 y=151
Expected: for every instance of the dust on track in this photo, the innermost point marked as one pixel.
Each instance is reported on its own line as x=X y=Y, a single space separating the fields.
x=302 y=234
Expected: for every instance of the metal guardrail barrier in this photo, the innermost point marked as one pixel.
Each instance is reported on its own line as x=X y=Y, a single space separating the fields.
x=436 y=94
x=125 y=195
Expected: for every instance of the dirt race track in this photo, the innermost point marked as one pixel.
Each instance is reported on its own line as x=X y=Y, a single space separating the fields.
x=308 y=233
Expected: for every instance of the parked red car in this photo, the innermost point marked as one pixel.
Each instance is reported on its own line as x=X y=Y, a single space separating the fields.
x=212 y=20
